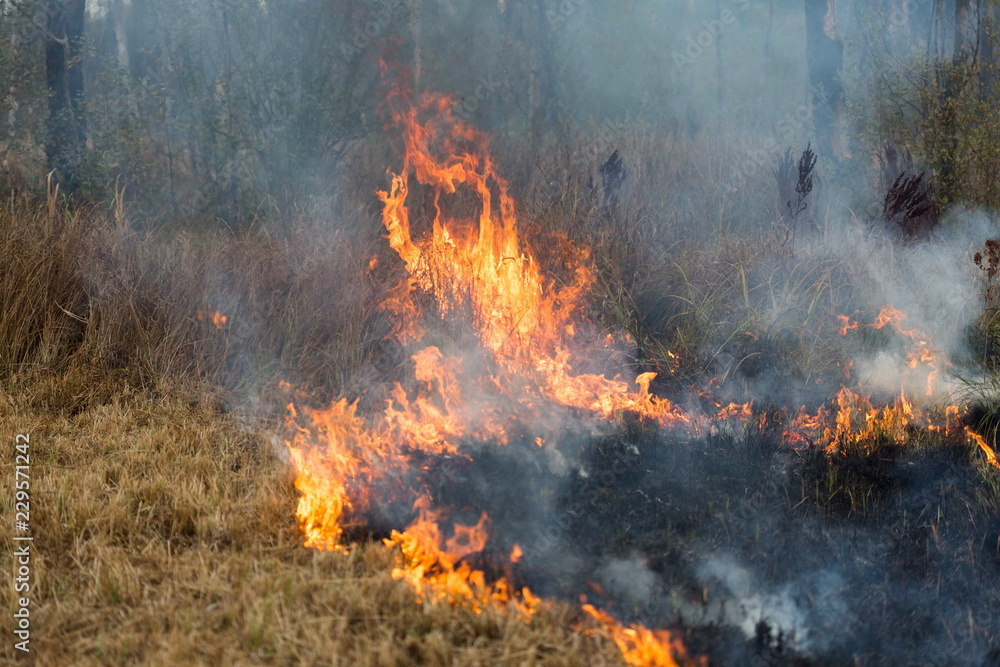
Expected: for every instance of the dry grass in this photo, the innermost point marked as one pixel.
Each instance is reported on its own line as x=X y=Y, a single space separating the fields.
x=165 y=534
x=164 y=523
x=83 y=288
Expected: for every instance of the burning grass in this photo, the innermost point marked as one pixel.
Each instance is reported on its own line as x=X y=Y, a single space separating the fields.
x=578 y=439
x=163 y=537
x=520 y=384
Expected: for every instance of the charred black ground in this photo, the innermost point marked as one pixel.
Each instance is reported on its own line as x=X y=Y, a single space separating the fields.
x=756 y=552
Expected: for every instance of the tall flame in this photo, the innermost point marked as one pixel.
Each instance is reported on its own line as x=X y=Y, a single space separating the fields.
x=475 y=268
x=488 y=274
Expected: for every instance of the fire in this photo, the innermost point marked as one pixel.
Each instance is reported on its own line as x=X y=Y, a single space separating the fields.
x=641 y=646
x=481 y=271
x=434 y=566
x=486 y=273
x=991 y=456
x=858 y=421
x=846 y=324
x=476 y=269
x=890 y=315
x=218 y=319
x=805 y=429
x=736 y=411
x=919 y=351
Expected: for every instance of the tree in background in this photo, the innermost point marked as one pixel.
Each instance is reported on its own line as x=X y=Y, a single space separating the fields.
x=66 y=135
x=220 y=108
x=989 y=25
x=825 y=56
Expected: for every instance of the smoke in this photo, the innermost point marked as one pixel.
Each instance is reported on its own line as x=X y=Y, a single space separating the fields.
x=724 y=533
x=932 y=282
x=808 y=611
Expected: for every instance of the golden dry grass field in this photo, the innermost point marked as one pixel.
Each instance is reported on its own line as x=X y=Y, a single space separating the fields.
x=165 y=534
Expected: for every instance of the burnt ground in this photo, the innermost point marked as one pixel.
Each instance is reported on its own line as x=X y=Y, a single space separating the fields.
x=756 y=552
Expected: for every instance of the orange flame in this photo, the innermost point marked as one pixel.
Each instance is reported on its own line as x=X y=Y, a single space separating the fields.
x=919 y=351
x=846 y=324
x=991 y=455
x=480 y=271
x=805 y=429
x=858 y=421
x=736 y=411
x=487 y=273
x=641 y=646
x=217 y=319
x=477 y=269
x=890 y=315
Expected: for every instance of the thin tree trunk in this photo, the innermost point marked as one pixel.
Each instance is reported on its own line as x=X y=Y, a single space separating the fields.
x=963 y=43
x=121 y=12
x=935 y=37
x=66 y=132
x=120 y=16
x=140 y=38
x=825 y=57
x=989 y=49
x=720 y=73
x=769 y=43
x=899 y=27
x=543 y=94
x=953 y=83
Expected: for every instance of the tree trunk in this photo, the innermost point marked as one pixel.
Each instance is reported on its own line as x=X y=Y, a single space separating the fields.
x=954 y=78
x=963 y=42
x=989 y=49
x=140 y=38
x=544 y=75
x=900 y=33
x=769 y=66
x=935 y=37
x=825 y=57
x=120 y=15
x=67 y=131
x=720 y=73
